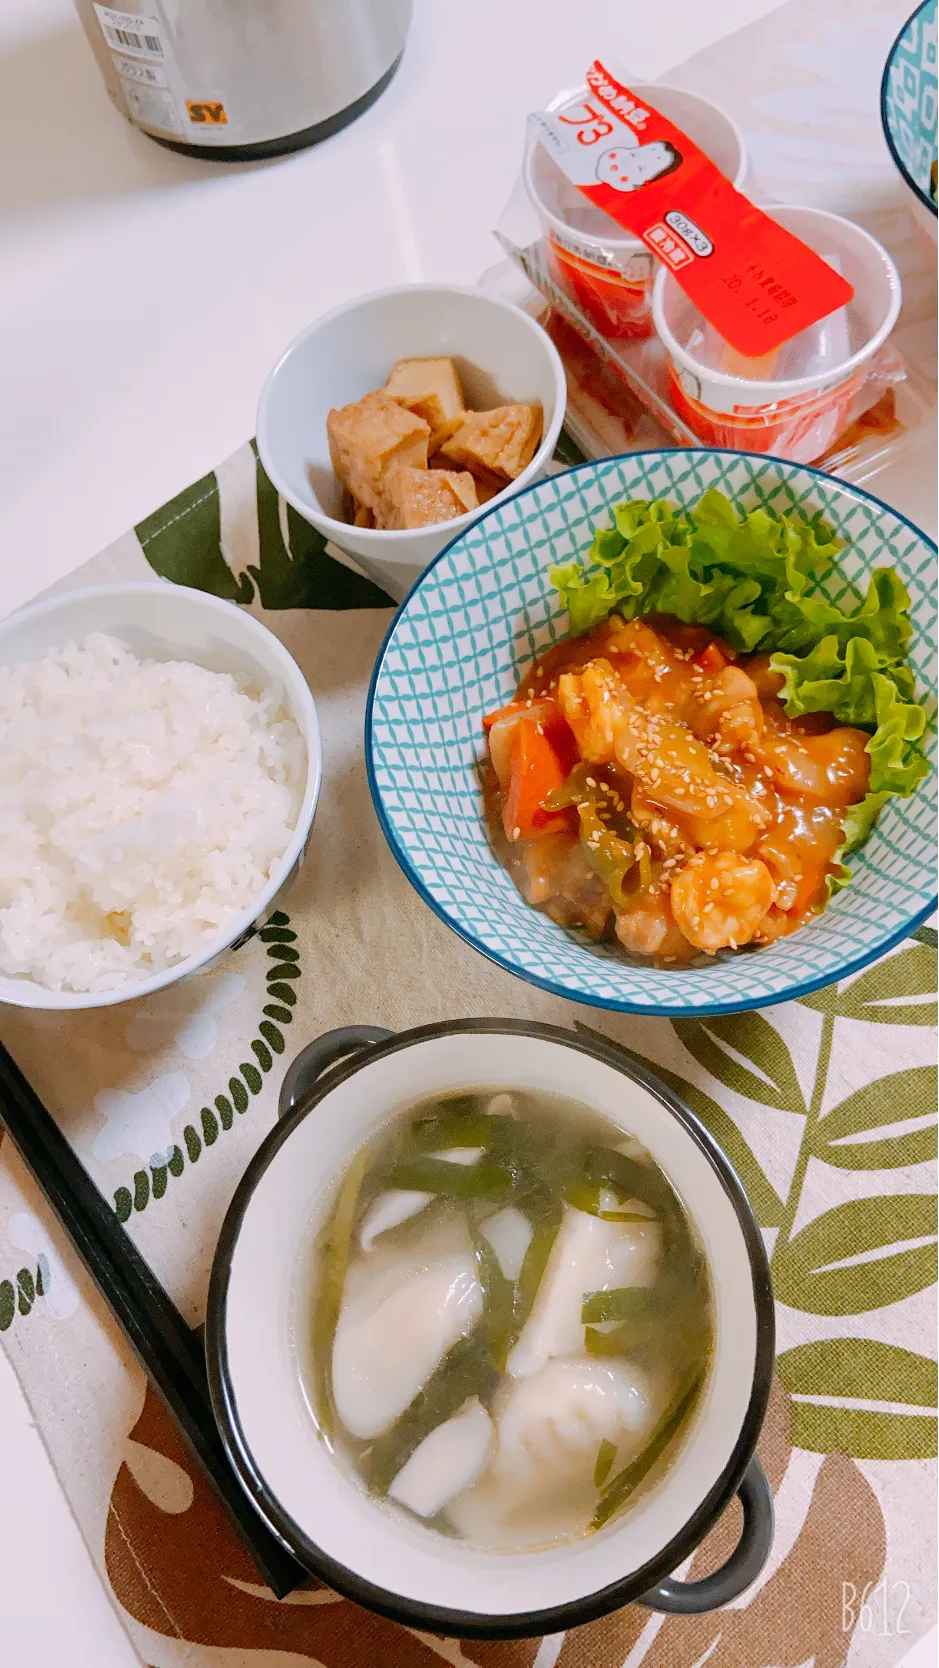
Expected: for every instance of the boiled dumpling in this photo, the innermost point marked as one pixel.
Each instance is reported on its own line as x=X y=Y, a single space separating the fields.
x=459 y=1155
x=509 y=1233
x=402 y=1310
x=588 y=1255
x=447 y=1461
x=538 y=1486
x=388 y=1211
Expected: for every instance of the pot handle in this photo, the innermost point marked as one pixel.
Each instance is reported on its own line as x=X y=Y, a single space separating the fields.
x=303 y=1073
x=690 y=1598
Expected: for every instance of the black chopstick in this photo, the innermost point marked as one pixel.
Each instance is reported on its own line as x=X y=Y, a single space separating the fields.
x=169 y=1351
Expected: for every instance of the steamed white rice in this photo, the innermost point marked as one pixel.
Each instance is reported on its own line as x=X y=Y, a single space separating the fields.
x=143 y=806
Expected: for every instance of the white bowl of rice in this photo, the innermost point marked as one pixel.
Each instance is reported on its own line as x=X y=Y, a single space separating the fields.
x=160 y=762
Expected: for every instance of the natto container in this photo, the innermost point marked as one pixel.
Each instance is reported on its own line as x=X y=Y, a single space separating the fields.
x=797 y=402
x=608 y=273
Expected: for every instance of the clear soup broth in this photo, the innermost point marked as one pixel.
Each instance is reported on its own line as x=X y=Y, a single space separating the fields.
x=507 y=1320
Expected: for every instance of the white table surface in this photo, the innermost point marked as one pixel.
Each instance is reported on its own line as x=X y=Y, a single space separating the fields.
x=143 y=297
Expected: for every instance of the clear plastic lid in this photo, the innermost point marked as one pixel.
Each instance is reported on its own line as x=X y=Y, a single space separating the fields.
x=826 y=346
x=704 y=123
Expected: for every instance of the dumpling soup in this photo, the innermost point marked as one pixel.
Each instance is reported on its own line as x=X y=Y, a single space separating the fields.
x=508 y=1319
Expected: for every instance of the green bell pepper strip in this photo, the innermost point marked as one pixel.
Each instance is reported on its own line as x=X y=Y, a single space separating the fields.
x=579 y=788
x=610 y=857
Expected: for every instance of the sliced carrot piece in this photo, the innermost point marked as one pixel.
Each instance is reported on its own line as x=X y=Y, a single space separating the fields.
x=510 y=711
x=535 y=772
x=710 y=659
x=500 y=728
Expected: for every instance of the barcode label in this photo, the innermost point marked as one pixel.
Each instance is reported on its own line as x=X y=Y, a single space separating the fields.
x=126 y=32
x=132 y=42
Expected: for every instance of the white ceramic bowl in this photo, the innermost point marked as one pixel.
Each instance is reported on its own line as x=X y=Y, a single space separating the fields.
x=607 y=272
x=502 y=356
x=578 y=225
x=797 y=417
x=257 y=1322
x=170 y=622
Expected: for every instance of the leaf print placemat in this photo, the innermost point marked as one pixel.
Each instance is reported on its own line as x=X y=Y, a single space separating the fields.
x=826 y=1107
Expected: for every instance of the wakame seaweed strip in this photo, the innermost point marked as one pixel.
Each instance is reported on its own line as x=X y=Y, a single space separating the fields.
x=498 y=1299
x=466 y=1370
x=426 y=1174
x=628 y=1480
x=606 y=1454
x=335 y=1245
x=623 y=1303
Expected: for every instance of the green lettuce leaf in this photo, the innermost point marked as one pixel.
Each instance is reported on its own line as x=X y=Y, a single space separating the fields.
x=588 y=601
x=858 y=822
x=859 y=686
x=753 y=579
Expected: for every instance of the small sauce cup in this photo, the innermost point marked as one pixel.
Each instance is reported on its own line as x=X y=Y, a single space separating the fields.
x=608 y=273
x=797 y=402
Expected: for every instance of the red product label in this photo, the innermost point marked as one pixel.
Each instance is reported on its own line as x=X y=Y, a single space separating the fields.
x=756 y=283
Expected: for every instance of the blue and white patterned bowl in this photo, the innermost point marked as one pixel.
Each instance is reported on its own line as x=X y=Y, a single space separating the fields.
x=908 y=106
x=475 y=621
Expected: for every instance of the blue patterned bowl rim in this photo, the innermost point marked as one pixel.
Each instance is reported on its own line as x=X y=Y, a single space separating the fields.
x=885 y=120
x=791 y=992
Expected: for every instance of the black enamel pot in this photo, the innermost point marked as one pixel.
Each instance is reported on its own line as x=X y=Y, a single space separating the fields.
x=334 y=1095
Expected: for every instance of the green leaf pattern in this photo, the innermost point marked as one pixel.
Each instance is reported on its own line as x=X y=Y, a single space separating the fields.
x=890 y=1100
x=817 y=1270
x=183 y=542
x=825 y=1376
x=899 y=991
x=835 y=1257
x=769 y=1075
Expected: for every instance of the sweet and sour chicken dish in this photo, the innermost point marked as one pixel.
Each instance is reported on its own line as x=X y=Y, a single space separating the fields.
x=660 y=787
x=648 y=783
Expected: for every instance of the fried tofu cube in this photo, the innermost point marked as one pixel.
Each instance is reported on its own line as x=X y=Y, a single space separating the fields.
x=368 y=437
x=487 y=484
x=421 y=497
x=431 y=389
x=500 y=442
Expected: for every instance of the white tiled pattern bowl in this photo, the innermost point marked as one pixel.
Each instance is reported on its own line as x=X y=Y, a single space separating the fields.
x=477 y=619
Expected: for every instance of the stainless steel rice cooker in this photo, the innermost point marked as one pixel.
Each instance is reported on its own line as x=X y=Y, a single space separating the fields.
x=236 y=80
